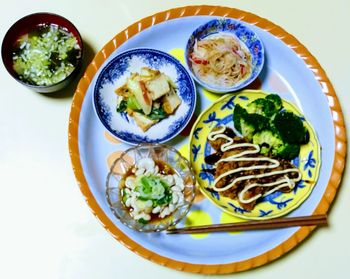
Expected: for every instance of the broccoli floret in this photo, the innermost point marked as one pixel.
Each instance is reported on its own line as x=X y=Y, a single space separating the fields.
x=278 y=133
x=306 y=138
x=290 y=128
x=238 y=114
x=267 y=140
x=276 y=100
x=252 y=123
x=270 y=142
x=286 y=151
x=247 y=129
x=258 y=121
x=248 y=123
x=262 y=106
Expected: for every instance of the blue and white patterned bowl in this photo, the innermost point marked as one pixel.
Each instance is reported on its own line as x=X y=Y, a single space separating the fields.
x=115 y=73
x=241 y=31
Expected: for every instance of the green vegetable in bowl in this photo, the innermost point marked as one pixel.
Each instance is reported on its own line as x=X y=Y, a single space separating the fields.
x=122 y=106
x=152 y=188
x=151 y=96
x=46 y=56
x=133 y=104
x=157 y=113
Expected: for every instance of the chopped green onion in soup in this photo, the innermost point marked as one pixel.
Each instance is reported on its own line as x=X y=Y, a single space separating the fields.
x=46 y=55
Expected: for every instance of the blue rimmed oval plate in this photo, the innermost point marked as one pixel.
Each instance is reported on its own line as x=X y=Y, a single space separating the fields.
x=246 y=37
x=115 y=74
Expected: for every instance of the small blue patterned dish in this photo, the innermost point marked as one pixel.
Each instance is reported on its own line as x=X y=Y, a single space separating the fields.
x=248 y=41
x=115 y=73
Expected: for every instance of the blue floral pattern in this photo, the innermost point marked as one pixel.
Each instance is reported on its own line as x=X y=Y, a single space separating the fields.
x=299 y=185
x=212 y=118
x=195 y=150
x=196 y=132
x=265 y=213
x=310 y=164
x=204 y=175
x=237 y=209
x=281 y=204
x=229 y=104
x=125 y=116
x=215 y=195
x=155 y=59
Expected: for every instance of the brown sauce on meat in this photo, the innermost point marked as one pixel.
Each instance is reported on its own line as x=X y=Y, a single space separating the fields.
x=242 y=173
x=213 y=158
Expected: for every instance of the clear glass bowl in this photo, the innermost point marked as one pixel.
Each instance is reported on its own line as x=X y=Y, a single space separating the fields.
x=126 y=161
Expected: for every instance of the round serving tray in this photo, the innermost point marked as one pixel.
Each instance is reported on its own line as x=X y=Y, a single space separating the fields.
x=295 y=74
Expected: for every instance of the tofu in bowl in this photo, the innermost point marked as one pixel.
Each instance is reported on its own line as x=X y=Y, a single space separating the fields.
x=144 y=96
x=148 y=97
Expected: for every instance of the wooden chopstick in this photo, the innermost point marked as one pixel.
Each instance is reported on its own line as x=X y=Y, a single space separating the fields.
x=313 y=220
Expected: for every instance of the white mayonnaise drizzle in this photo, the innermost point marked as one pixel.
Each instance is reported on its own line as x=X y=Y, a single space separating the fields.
x=279 y=184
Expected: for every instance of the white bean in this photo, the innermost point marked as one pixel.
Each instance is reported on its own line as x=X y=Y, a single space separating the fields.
x=175 y=198
x=164 y=212
x=127 y=202
x=149 y=172
x=130 y=182
x=148 y=206
x=172 y=207
x=156 y=209
x=143 y=216
x=156 y=169
x=176 y=189
x=146 y=163
x=136 y=194
x=147 y=217
x=133 y=204
x=169 y=179
x=178 y=181
x=139 y=171
x=181 y=200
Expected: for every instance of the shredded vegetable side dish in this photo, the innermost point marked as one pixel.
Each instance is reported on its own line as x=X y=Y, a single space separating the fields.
x=221 y=59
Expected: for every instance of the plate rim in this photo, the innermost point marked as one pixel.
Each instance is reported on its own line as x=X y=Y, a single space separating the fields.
x=264 y=24
x=134 y=51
